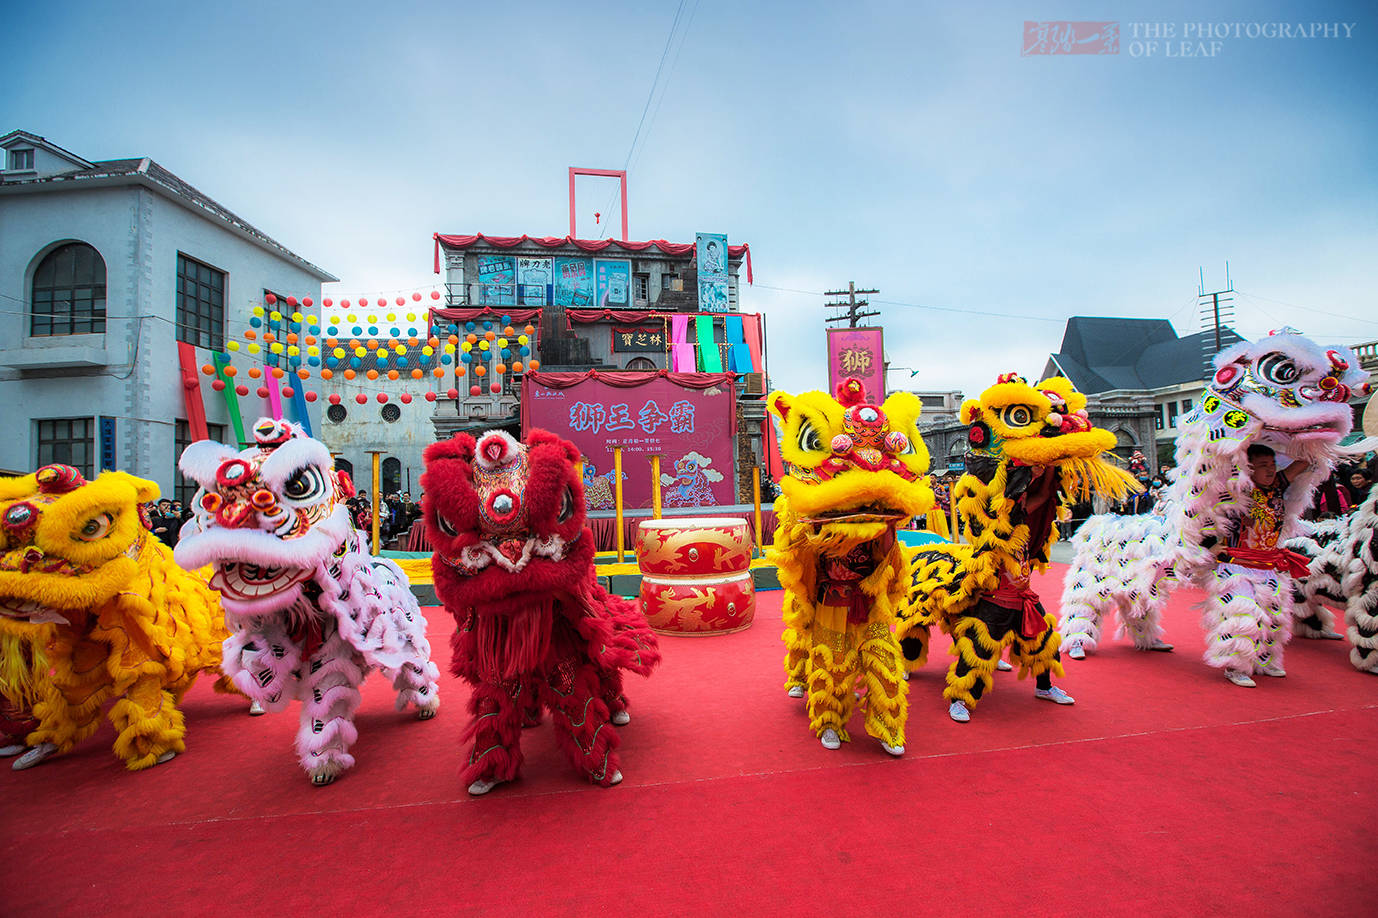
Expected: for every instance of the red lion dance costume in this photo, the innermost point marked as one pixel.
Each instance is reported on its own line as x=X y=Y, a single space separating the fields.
x=513 y=564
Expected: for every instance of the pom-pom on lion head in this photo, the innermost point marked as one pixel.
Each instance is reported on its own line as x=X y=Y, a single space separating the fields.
x=853 y=463
x=506 y=518
x=68 y=545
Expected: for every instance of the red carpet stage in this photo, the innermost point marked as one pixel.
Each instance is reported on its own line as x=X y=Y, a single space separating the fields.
x=1164 y=791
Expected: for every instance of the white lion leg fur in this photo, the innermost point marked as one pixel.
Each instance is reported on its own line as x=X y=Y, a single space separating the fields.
x=1245 y=618
x=330 y=696
x=261 y=660
x=1117 y=569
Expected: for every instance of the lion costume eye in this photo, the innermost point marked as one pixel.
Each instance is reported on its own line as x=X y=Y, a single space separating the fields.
x=96 y=528
x=444 y=524
x=1017 y=415
x=1278 y=368
x=809 y=440
x=306 y=483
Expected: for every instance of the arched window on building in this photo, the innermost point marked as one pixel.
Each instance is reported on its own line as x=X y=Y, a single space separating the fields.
x=644 y=364
x=392 y=475
x=68 y=292
x=1125 y=443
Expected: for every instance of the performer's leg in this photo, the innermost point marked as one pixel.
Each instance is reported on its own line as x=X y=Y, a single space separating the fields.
x=583 y=725
x=65 y=719
x=330 y=696
x=150 y=726
x=1233 y=622
x=796 y=662
x=973 y=670
x=832 y=672
x=1361 y=625
x=1084 y=600
x=495 y=730
x=886 y=691
x=1273 y=592
x=1039 y=656
x=914 y=647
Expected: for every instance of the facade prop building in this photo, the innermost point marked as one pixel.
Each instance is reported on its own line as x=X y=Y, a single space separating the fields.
x=106 y=267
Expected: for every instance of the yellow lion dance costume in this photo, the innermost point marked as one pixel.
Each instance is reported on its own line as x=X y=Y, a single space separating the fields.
x=1031 y=449
x=857 y=471
x=86 y=586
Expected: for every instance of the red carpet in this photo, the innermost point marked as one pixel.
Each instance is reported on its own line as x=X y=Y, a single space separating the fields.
x=1164 y=790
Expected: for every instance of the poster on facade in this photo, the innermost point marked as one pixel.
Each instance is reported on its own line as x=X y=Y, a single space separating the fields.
x=574 y=282
x=497 y=278
x=640 y=339
x=711 y=253
x=534 y=276
x=614 y=283
x=692 y=430
x=858 y=352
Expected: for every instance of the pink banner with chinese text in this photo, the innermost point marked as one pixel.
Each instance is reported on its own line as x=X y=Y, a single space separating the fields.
x=692 y=430
x=858 y=352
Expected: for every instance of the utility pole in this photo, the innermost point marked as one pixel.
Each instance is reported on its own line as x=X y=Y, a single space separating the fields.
x=851 y=305
x=1217 y=311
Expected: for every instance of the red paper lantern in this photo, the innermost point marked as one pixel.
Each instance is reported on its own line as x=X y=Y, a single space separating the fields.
x=401 y=301
x=344 y=304
x=262 y=392
x=382 y=398
x=430 y=396
x=361 y=398
x=416 y=297
x=495 y=388
x=435 y=294
x=241 y=390
x=307 y=302
x=310 y=396
x=452 y=393
x=218 y=385
x=269 y=299
x=327 y=302
x=287 y=392
x=291 y=301
x=475 y=390
x=406 y=398
x=334 y=399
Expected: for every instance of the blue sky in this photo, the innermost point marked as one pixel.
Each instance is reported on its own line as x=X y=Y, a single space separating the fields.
x=906 y=146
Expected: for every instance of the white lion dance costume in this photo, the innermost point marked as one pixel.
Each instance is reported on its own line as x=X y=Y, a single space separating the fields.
x=309 y=609
x=1219 y=528
x=1343 y=571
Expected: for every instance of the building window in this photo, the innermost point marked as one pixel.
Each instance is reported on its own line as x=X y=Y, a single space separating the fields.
x=641 y=287
x=1171 y=414
x=1186 y=405
x=68 y=294
x=668 y=281
x=21 y=160
x=200 y=304
x=643 y=364
x=391 y=412
x=185 y=489
x=69 y=441
x=336 y=414
x=392 y=475
x=1158 y=417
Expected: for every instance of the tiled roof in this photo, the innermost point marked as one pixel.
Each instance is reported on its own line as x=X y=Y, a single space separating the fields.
x=1103 y=353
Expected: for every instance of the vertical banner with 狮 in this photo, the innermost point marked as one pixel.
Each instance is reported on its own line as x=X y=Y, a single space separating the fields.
x=859 y=353
x=711 y=252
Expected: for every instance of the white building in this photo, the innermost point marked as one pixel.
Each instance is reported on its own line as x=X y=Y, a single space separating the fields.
x=104 y=267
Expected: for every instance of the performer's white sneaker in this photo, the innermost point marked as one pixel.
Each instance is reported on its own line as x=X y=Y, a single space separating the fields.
x=620 y=718
x=1002 y=666
x=1076 y=651
x=1271 y=668
x=255 y=709
x=830 y=739
x=893 y=750
x=1240 y=678
x=796 y=691
x=958 y=712
x=481 y=787
x=1161 y=646
x=7 y=751
x=1054 y=694
x=34 y=756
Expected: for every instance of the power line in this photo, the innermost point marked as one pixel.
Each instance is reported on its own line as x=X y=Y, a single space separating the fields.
x=1336 y=315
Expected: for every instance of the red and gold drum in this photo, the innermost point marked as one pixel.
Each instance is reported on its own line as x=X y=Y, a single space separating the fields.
x=696 y=576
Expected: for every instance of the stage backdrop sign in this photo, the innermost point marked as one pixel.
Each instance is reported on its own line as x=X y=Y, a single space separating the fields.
x=858 y=352
x=533 y=280
x=574 y=282
x=692 y=430
x=614 y=283
x=711 y=252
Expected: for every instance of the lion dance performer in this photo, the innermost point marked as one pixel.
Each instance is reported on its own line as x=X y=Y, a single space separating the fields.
x=92 y=608
x=513 y=564
x=857 y=471
x=1228 y=511
x=1031 y=448
x=310 y=610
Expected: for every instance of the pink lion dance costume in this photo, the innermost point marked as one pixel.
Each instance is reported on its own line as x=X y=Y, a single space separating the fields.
x=310 y=611
x=513 y=564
